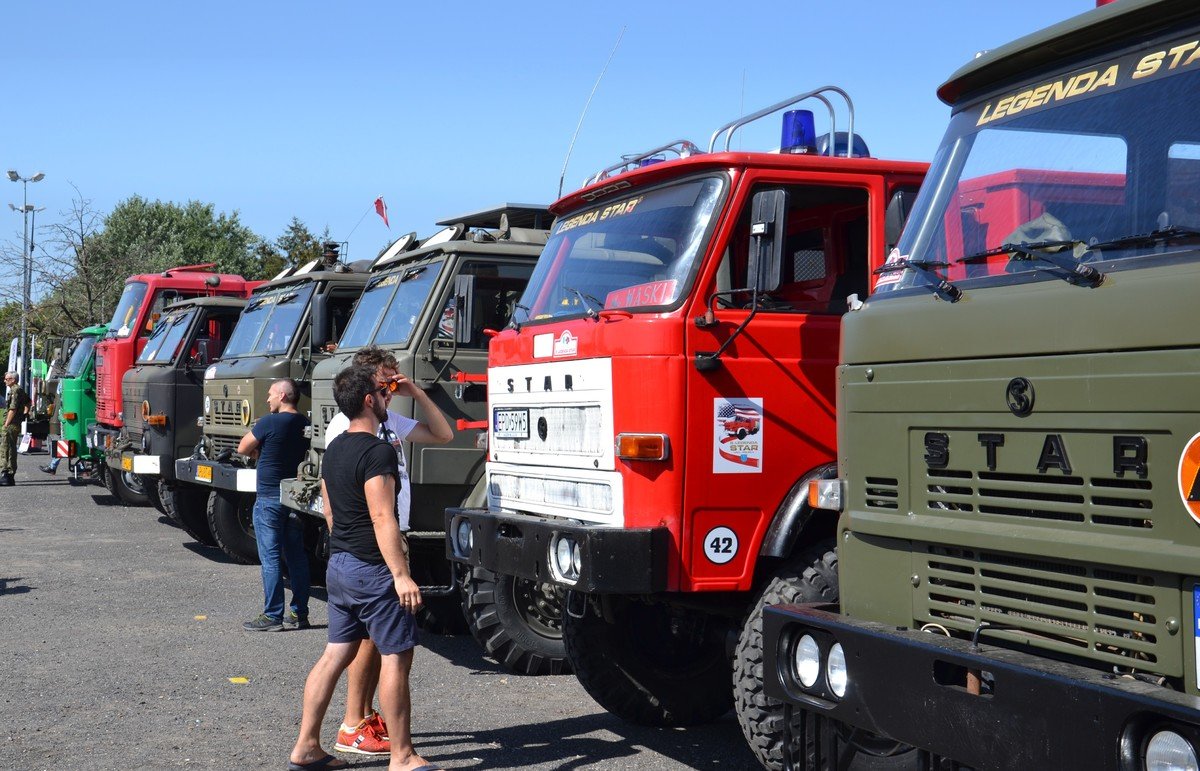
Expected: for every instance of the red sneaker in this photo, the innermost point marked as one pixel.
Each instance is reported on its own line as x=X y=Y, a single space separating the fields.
x=366 y=739
x=376 y=720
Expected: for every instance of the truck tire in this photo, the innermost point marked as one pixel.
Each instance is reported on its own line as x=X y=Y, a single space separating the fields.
x=150 y=487
x=106 y=477
x=517 y=622
x=649 y=663
x=128 y=487
x=166 y=503
x=443 y=615
x=189 y=505
x=810 y=577
x=230 y=518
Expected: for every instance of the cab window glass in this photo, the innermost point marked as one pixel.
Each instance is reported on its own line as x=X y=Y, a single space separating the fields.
x=825 y=251
x=485 y=300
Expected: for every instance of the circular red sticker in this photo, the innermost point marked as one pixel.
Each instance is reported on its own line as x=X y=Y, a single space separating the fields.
x=1188 y=477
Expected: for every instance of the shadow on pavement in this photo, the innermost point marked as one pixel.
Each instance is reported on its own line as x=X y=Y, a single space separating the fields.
x=7 y=588
x=211 y=553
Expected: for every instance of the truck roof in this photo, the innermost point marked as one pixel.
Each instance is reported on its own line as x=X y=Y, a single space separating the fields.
x=348 y=275
x=1059 y=44
x=678 y=167
x=217 y=301
x=97 y=330
x=520 y=215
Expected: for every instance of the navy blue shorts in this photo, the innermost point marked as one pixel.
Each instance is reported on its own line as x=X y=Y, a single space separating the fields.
x=363 y=603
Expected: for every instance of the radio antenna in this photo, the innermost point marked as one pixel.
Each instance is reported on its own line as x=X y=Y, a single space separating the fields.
x=582 y=115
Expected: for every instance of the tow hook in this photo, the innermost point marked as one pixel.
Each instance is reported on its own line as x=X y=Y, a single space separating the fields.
x=576 y=604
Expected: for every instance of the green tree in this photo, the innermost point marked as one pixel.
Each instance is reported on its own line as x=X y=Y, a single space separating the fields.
x=298 y=243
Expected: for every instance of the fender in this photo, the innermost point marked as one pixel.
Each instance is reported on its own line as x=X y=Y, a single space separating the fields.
x=793 y=515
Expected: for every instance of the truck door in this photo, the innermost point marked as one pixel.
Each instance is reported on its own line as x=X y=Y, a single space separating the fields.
x=481 y=296
x=764 y=415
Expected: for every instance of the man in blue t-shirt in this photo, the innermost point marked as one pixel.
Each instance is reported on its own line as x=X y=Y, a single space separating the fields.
x=278 y=440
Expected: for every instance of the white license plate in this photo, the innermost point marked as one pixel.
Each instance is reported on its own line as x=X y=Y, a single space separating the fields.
x=510 y=424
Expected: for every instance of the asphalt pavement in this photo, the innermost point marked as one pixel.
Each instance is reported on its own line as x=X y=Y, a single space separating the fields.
x=121 y=647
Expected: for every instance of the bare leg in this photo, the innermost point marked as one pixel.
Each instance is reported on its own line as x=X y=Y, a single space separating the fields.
x=396 y=705
x=361 y=681
x=318 y=689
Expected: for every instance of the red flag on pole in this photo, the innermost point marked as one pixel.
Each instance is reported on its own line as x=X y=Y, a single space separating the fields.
x=381 y=210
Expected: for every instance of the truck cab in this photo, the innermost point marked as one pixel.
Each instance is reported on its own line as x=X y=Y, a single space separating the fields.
x=1018 y=526
x=667 y=389
x=75 y=402
x=162 y=396
x=141 y=305
x=434 y=304
x=289 y=326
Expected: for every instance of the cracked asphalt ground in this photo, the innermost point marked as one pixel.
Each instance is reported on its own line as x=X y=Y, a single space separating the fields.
x=119 y=636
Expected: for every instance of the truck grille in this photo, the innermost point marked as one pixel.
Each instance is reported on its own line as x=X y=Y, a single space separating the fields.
x=1093 y=611
x=133 y=421
x=1101 y=502
x=222 y=443
x=226 y=412
x=568 y=430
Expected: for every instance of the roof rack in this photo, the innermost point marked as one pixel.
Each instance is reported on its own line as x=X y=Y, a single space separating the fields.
x=681 y=147
x=520 y=215
x=818 y=94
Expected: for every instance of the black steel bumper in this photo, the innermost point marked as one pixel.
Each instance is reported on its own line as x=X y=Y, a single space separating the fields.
x=222 y=476
x=102 y=438
x=295 y=494
x=615 y=561
x=912 y=687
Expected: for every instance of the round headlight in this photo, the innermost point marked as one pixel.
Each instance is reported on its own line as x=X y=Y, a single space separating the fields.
x=1168 y=751
x=835 y=671
x=464 y=537
x=562 y=557
x=808 y=660
x=577 y=559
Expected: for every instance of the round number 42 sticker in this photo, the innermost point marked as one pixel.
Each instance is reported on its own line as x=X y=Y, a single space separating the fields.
x=720 y=545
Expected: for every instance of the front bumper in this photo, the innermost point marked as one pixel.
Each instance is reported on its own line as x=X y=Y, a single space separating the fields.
x=143 y=465
x=911 y=687
x=222 y=476
x=298 y=494
x=614 y=560
x=101 y=438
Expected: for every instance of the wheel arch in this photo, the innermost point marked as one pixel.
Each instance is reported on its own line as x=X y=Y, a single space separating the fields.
x=795 y=523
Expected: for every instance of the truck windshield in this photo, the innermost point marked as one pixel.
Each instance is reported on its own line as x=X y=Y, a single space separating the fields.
x=126 y=313
x=636 y=252
x=163 y=344
x=269 y=322
x=1070 y=172
x=81 y=354
x=390 y=306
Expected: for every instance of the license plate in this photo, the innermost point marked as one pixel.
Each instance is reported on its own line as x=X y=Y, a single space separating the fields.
x=127 y=463
x=510 y=424
x=204 y=474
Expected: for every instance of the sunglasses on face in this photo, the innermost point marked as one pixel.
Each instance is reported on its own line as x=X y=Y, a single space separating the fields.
x=388 y=387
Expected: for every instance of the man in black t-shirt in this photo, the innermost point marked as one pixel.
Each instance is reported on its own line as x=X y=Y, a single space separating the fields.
x=278 y=440
x=368 y=572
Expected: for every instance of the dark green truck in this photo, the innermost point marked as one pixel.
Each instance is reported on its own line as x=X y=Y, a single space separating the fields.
x=1019 y=434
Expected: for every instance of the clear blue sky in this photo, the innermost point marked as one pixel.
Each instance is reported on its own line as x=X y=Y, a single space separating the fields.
x=313 y=109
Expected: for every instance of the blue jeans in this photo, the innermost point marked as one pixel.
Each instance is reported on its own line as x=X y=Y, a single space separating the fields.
x=280 y=537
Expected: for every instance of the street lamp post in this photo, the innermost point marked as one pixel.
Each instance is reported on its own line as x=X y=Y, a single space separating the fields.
x=26 y=269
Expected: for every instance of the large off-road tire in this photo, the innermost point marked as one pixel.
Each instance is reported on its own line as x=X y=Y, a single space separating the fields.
x=189 y=504
x=150 y=487
x=443 y=615
x=106 y=477
x=810 y=577
x=231 y=520
x=649 y=663
x=129 y=487
x=518 y=622
x=166 y=504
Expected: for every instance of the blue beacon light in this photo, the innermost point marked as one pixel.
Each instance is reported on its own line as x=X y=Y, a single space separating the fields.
x=650 y=161
x=799 y=132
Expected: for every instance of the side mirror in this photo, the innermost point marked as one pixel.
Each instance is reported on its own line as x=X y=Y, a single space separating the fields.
x=768 y=214
x=321 y=330
x=207 y=350
x=898 y=209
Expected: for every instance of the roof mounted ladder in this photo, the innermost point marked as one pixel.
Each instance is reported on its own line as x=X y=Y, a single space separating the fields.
x=681 y=147
x=818 y=94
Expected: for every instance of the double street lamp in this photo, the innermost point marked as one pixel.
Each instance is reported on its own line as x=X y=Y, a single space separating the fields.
x=26 y=209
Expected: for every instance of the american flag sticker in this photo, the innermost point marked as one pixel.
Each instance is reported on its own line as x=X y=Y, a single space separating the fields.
x=737 y=435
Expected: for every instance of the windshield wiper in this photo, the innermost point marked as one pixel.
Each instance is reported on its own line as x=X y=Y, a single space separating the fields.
x=512 y=322
x=1161 y=236
x=928 y=269
x=584 y=297
x=1077 y=273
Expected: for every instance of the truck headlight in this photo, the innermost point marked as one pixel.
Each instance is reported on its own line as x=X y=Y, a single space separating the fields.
x=464 y=538
x=808 y=660
x=836 y=673
x=1168 y=751
x=566 y=559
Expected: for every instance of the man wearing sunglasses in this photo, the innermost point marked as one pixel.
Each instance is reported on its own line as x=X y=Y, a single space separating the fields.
x=363 y=731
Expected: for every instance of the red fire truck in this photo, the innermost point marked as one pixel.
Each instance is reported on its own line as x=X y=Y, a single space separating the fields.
x=677 y=300
x=139 y=308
